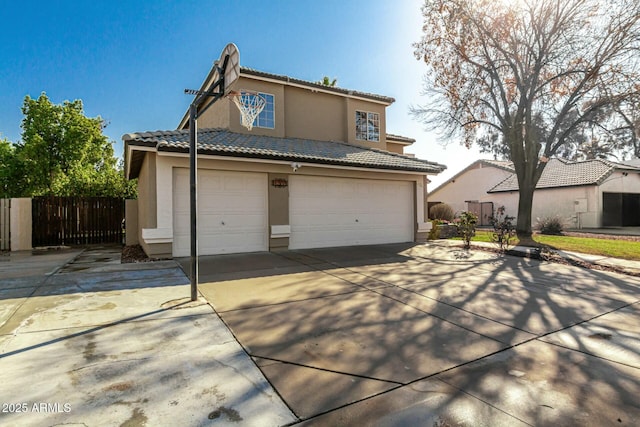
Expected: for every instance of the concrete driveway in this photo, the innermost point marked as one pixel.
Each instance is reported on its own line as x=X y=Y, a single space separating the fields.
x=397 y=335
x=87 y=341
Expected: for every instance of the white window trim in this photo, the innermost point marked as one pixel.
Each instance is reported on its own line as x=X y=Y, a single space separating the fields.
x=368 y=138
x=274 y=111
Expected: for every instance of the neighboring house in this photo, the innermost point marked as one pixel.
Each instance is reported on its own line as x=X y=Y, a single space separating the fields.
x=586 y=194
x=317 y=170
x=466 y=191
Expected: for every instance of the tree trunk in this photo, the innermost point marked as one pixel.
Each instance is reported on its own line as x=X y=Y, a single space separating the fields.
x=525 y=205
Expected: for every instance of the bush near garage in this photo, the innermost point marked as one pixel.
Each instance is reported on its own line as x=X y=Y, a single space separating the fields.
x=442 y=212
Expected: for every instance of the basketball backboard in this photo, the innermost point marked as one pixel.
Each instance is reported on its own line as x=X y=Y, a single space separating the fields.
x=231 y=70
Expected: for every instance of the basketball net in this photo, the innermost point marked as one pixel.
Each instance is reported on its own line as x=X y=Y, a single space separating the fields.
x=250 y=105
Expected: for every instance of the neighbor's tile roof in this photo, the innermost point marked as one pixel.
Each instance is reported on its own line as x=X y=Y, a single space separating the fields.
x=563 y=173
x=500 y=164
x=225 y=143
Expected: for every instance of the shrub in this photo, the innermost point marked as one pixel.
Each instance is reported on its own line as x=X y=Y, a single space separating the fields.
x=503 y=229
x=434 y=233
x=441 y=211
x=466 y=225
x=550 y=225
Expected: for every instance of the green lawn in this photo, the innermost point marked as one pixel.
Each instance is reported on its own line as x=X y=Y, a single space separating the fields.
x=613 y=248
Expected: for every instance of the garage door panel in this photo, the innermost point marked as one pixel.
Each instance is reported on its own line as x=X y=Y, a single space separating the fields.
x=328 y=212
x=232 y=212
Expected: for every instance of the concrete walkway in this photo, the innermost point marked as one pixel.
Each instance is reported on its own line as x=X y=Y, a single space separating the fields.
x=85 y=340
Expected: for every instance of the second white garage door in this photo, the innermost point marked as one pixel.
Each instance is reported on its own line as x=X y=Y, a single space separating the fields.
x=327 y=212
x=232 y=212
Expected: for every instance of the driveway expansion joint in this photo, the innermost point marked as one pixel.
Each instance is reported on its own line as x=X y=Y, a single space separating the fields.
x=365 y=377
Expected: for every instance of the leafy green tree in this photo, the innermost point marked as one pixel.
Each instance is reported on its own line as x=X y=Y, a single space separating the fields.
x=11 y=184
x=327 y=81
x=531 y=80
x=66 y=153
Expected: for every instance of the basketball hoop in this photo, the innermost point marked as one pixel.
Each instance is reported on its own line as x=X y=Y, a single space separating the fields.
x=250 y=105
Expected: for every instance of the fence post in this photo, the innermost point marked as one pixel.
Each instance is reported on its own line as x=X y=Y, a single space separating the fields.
x=21 y=224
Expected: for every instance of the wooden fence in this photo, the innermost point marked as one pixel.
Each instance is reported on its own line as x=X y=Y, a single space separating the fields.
x=77 y=220
x=5 y=225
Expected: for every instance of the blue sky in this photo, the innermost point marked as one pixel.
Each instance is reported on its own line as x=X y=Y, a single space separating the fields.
x=129 y=61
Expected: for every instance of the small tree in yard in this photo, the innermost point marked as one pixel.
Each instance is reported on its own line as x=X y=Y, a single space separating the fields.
x=503 y=229
x=534 y=79
x=466 y=225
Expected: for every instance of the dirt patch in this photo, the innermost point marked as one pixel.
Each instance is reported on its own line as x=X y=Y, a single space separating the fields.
x=230 y=413
x=137 y=419
x=122 y=386
x=602 y=236
x=544 y=254
x=134 y=253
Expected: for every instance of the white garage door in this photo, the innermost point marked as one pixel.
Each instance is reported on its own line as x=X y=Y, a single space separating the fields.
x=232 y=212
x=327 y=212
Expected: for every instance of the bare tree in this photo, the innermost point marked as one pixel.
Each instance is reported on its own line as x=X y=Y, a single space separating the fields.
x=532 y=79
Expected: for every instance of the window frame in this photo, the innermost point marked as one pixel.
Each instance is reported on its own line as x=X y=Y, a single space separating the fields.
x=257 y=121
x=370 y=118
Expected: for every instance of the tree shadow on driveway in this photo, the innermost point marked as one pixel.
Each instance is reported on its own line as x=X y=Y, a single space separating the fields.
x=435 y=334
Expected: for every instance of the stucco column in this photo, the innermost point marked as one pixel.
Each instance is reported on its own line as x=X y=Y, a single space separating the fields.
x=21 y=224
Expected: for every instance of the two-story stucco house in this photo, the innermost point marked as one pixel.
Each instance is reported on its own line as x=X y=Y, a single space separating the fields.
x=318 y=169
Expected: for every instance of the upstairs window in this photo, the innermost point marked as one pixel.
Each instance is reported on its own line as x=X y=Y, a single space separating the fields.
x=367 y=126
x=266 y=118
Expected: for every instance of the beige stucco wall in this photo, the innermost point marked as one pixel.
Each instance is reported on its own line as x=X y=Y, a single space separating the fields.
x=217 y=115
x=301 y=113
x=147 y=197
x=131 y=222
x=395 y=148
x=310 y=115
x=275 y=89
x=20 y=224
x=278 y=208
x=470 y=185
x=354 y=105
x=164 y=164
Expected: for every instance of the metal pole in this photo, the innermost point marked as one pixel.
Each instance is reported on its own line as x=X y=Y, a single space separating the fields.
x=193 y=175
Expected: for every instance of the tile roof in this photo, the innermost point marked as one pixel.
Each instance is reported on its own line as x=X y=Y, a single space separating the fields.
x=500 y=164
x=399 y=138
x=225 y=143
x=563 y=173
x=287 y=79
